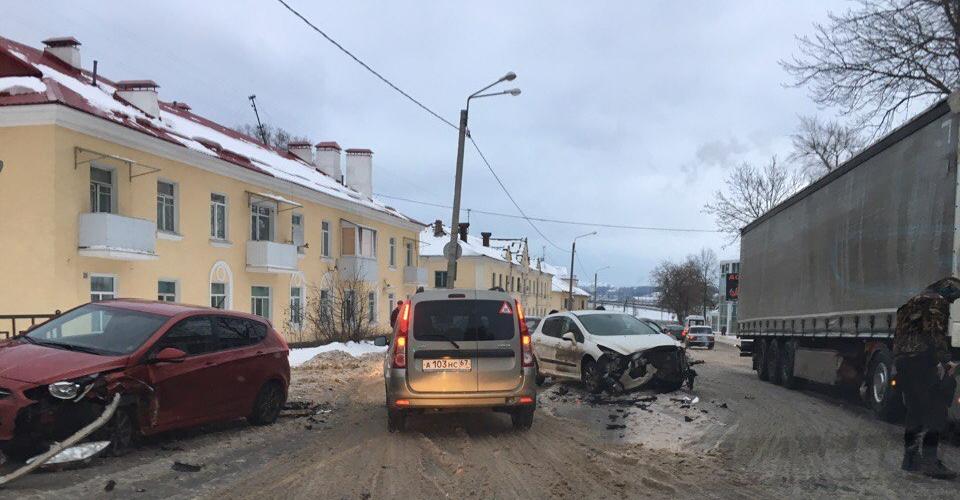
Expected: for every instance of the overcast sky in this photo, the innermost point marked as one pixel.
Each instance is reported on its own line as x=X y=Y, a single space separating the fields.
x=631 y=112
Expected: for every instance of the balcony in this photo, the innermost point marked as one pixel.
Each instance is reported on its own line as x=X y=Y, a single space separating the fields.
x=414 y=275
x=271 y=257
x=353 y=267
x=112 y=236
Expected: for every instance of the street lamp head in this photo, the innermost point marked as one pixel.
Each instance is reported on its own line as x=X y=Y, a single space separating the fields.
x=509 y=77
x=514 y=92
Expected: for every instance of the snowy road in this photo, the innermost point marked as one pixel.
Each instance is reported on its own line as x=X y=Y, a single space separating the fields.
x=742 y=439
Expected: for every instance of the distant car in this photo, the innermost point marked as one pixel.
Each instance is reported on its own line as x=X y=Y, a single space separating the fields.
x=173 y=365
x=674 y=331
x=699 y=336
x=457 y=349
x=607 y=351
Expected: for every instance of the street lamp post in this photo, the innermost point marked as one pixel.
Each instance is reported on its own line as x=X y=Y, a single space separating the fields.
x=595 y=283
x=573 y=253
x=452 y=253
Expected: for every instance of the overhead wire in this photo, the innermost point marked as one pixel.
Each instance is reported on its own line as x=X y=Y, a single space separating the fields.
x=425 y=108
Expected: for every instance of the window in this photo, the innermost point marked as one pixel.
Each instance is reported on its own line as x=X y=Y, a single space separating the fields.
x=463 y=320
x=102 y=288
x=218 y=295
x=260 y=301
x=326 y=306
x=440 y=279
x=552 y=326
x=391 y=301
x=408 y=247
x=101 y=190
x=105 y=330
x=372 y=307
x=239 y=332
x=167 y=291
x=493 y=280
x=501 y=281
x=325 y=238
x=166 y=207
x=193 y=336
x=218 y=216
x=368 y=243
x=296 y=306
x=393 y=252
x=261 y=223
x=296 y=231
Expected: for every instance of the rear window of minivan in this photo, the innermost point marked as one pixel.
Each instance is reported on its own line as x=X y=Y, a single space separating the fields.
x=463 y=320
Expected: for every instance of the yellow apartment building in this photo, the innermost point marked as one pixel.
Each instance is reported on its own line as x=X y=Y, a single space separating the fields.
x=108 y=191
x=483 y=265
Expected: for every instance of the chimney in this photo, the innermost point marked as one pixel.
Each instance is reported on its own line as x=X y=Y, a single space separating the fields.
x=464 y=226
x=327 y=160
x=360 y=171
x=142 y=94
x=438 y=228
x=65 y=48
x=486 y=238
x=302 y=150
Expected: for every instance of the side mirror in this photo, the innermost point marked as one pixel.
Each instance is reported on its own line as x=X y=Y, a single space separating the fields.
x=569 y=336
x=381 y=341
x=169 y=355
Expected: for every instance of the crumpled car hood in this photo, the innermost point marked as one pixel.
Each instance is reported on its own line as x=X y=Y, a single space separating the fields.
x=629 y=344
x=34 y=364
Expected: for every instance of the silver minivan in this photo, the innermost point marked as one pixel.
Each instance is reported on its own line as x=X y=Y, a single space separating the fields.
x=460 y=349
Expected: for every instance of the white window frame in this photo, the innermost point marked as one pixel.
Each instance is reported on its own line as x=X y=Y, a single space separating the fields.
x=410 y=253
x=303 y=231
x=269 y=301
x=393 y=252
x=113 y=186
x=325 y=241
x=372 y=300
x=176 y=206
x=358 y=239
x=225 y=205
x=272 y=219
x=221 y=273
x=116 y=286
x=176 y=289
x=391 y=301
x=296 y=322
x=226 y=294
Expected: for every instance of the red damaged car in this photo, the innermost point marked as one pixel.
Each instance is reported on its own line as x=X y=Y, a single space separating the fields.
x=173 y=365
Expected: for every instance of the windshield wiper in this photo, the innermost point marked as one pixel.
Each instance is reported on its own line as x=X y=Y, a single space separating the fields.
x=71 y=347
x=444 y=337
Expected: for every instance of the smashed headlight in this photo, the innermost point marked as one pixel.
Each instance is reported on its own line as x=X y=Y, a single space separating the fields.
x=64 y=390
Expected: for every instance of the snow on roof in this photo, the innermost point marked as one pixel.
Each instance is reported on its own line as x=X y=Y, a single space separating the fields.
x=560 y=279
x=53 y=81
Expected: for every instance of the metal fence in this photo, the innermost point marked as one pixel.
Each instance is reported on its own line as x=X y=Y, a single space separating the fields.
x=12 y=325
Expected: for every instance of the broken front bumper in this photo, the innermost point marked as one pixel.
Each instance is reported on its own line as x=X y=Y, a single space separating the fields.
x=667 y=364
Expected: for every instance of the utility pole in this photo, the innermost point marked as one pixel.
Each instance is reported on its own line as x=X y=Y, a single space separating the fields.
x=573 y=254
x=451 y=254
x=263 y=133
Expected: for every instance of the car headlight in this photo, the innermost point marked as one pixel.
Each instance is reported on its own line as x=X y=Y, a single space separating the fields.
x=64 y=390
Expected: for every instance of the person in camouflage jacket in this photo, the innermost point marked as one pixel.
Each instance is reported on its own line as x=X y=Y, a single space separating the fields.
x=925 y=374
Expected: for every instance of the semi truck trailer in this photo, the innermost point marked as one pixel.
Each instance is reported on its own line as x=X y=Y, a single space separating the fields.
x=823 y=273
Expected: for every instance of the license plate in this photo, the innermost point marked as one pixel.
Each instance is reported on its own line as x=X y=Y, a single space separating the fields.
x=456 y=365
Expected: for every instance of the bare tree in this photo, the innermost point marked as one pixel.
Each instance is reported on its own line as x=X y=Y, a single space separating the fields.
x=750 y=193
x=878 y=59
x=687 y=287
x=820 y=147
x=338 y=310
x=706 y=265
x=276 y=136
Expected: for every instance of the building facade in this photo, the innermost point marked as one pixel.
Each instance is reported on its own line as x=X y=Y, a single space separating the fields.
x=484 y=266
x=110 y=192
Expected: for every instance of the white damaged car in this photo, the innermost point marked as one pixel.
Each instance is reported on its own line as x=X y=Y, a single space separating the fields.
x=608 y=351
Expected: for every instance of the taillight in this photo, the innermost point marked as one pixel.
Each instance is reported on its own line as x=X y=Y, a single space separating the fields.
x=400 y=339
x=526 y=347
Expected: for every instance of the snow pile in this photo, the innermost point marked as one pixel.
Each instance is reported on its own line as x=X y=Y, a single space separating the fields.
x=300 y=356
x=16 y=85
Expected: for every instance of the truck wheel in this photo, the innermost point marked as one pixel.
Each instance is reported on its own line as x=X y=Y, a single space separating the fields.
x=774 y=347
x=787 y=358
x=760 y=359
x=884 y=399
